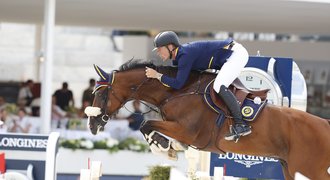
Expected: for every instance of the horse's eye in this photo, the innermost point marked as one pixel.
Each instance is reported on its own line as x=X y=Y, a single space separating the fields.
x=99 y=94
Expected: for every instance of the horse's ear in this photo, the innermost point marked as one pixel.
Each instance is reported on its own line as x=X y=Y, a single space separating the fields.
x=104 y=76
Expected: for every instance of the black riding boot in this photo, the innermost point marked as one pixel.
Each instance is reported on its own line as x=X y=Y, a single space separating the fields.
x=240 y=128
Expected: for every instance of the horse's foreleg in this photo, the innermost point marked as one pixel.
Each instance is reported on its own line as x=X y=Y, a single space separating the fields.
x=151 y=128
x=154 y=138
x=159 y=144
x=168 y=128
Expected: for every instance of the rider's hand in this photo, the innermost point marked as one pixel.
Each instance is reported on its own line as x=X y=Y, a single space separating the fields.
x=151 y=73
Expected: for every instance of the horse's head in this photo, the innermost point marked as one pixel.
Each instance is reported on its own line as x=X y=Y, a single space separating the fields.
x=112 y=93
x=99 y=113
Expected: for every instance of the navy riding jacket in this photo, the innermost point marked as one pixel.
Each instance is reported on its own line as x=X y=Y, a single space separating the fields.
x=200 y=55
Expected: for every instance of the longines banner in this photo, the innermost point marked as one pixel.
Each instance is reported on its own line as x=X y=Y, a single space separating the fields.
x=23 y=142
x=247 y=166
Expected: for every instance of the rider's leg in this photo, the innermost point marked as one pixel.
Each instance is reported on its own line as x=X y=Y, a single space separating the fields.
x=227 y=74
x=240 y=128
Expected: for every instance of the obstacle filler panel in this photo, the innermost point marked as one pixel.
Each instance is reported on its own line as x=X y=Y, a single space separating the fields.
x=38 y=171
x=247 y=166
x=33 y=156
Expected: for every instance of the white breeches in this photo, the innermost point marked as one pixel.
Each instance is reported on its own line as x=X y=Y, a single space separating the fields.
x=232 y=68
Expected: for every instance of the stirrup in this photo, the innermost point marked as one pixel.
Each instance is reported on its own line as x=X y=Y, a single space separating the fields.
x=234 y=135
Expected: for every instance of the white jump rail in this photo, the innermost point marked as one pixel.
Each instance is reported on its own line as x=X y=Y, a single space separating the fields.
x=94 y=172
x=51 y=153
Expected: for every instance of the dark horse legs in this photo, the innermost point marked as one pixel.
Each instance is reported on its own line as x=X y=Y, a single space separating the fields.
x=151 y=128
x=153 y=137
x=158 y=143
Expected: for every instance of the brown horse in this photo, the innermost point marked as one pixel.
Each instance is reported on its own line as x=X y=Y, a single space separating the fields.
x=300 y=140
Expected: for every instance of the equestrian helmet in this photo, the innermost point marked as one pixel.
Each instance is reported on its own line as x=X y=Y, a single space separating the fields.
x=166 y=38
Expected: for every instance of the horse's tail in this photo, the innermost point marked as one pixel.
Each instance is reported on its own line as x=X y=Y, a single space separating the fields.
x=328 y=121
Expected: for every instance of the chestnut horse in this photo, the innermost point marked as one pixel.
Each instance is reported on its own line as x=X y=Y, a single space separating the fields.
x=301 y=141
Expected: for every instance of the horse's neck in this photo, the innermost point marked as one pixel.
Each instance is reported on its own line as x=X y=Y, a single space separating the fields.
x=154 y=92
x=135 y=85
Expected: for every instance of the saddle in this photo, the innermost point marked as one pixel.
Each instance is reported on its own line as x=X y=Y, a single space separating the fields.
x=251 y=101
x=240 y=92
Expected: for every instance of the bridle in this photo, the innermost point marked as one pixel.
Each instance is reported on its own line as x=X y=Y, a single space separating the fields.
x=105 y=98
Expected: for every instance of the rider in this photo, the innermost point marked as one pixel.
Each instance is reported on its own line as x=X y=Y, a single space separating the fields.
x=228 y=56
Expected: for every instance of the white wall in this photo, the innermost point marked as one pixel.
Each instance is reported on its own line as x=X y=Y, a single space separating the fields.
x=76 y=50
x=16 y=52
x=135 y=46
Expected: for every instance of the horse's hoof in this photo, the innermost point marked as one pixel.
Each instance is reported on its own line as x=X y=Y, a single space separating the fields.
x=176 y=145
x=172 y=155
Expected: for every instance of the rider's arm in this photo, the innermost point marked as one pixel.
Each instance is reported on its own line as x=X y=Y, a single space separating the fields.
x=184 y=68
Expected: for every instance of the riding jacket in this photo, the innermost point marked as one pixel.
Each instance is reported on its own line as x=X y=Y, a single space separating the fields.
x=199 y=55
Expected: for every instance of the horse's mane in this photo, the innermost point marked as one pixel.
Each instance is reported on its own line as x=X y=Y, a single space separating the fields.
x=140 y=63
x=135 y=64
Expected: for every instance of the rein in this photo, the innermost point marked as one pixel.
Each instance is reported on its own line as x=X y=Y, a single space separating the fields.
x=134 y=91
x=105 y=116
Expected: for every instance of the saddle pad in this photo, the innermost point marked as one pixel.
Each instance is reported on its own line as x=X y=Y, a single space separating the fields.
x=249 y=109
